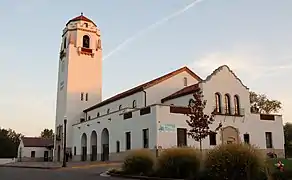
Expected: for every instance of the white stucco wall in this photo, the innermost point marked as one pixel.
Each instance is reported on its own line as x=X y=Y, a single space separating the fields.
x=117 y=128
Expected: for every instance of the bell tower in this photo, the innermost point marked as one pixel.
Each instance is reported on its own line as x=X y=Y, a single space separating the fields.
x=79 y=77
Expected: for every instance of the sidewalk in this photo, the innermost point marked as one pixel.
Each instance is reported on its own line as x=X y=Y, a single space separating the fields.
x=58 y=165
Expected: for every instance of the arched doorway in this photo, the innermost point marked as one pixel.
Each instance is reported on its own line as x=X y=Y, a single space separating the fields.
x=230 y=135
x=105 y=145
x=93 y=145
x=84 y=147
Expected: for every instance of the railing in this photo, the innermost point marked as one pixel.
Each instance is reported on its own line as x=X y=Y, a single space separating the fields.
x=228 y=111
x=86 y=50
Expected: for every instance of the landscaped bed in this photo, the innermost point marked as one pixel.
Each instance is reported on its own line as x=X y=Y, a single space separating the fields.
x=230 y=161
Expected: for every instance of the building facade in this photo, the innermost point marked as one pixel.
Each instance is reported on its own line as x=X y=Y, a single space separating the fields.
x=152 y=115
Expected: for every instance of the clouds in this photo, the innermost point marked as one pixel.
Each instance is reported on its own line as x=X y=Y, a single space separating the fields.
x=250 y=62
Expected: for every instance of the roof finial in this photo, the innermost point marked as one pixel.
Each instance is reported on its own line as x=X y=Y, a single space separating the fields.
x=81 y=13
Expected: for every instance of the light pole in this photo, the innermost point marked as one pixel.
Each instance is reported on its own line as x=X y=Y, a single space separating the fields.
x=64 y=146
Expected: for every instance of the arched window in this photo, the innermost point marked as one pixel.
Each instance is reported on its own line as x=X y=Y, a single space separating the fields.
x=227 y=104
x=236 y=105
x=134 y=104
x=65 y=43
x=120 y=107
x=97 y=115
x=218 y=108
x=108 y=111
x=86 y=41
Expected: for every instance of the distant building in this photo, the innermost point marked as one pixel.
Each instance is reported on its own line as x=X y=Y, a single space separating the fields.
x=35 y=149
x=151 y=115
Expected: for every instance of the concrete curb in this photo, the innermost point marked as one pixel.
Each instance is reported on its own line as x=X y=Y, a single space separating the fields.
x=139 y=177
x=30 y=167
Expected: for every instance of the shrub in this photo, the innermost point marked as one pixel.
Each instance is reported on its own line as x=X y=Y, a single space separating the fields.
x=139 y=162
x=235 y=161
x=178 y=163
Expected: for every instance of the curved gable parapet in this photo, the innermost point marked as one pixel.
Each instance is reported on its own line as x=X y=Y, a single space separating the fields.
x=221 y=68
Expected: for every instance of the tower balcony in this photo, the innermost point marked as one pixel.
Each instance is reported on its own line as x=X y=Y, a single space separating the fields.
x=85 y=51
x=228 y=112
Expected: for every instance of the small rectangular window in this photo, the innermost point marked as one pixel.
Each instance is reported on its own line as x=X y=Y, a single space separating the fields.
x=86 y=97
x=89 y=117
x=32 y=154
x=145 y=138
x=144 y=111
x=128 y=115
x=86 y=24
x=74 y=150
x=185 y=81
x=118 y=146
x=81 y=98
x=212 y=138
x=128 y=140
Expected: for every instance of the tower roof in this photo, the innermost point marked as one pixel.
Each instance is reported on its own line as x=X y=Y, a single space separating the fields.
x=80 y=18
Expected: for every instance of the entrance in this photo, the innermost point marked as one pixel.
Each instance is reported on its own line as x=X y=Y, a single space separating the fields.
x=230 y=135
x=59 y=154
x=105 y=152
x=84 y=147
x=104 y=145
x=84 y=154
x=46 y=156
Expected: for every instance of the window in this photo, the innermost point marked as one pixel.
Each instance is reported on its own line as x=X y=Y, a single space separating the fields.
x=86 y=41
x=227 y=104
x=65 y=43
x=120 y=107
x=86 y=97
x=269 y=142
x=32 y=154
x=246 y=138
x=86 y=25
x=218 y=103
x=128 y=140
x=185 y=81
x=134 y=104
x=97 y=115
x=118 y=146
x=145 y=138
x=62 y=65
x=74 y=150
x=128 y=115
x=236 y=105
x=89 y=117
x=144 y=111
x=212 y=138
x=82 y=94
x=108 y=111
x=181 y=137
x=99 y=44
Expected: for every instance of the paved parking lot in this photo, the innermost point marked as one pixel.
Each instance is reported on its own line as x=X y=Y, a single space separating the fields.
x=9 y=173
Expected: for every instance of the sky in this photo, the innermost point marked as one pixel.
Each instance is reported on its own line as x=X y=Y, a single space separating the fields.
x=252 y=37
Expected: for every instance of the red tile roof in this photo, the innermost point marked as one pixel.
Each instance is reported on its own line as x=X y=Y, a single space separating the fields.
x=185 y=91
x=36 y=142
x=143 y=87
x=80 y=18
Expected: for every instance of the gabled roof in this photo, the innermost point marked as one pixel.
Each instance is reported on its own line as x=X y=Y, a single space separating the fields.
x=219 y=69
x=36 y=142
x=81 y=18
x=143 y=87
x=185 y=91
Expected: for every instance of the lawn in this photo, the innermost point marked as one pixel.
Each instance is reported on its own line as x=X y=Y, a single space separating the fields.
x=287 y=162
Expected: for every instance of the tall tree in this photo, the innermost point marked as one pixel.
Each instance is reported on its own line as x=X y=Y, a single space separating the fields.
x=9 y=141
x=199 y=122
x=261 y=104
x=47 y=133
x=288 y=139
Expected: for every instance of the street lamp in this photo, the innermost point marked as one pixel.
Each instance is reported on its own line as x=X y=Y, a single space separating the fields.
x=64 y=146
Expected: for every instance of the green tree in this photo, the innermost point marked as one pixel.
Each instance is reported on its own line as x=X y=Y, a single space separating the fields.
x=47 y=133
x=199 y=121
x=9 y=141
x=288 y=139
x=261 y=104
